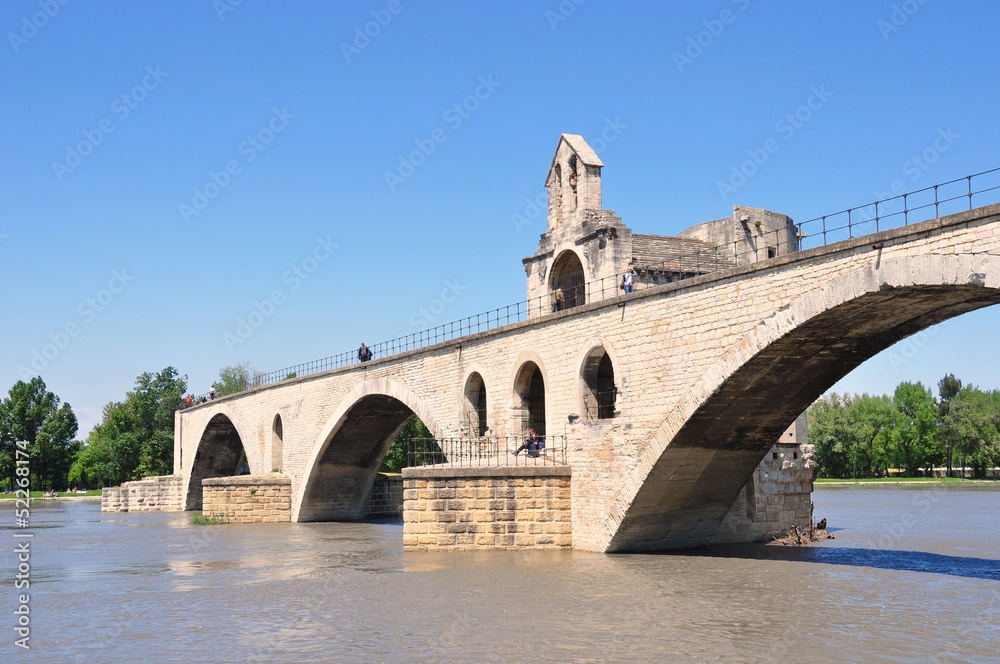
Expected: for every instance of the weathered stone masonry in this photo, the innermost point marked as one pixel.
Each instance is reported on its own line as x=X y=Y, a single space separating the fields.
x=150 y=494
x=248 y=498
x=511 y=507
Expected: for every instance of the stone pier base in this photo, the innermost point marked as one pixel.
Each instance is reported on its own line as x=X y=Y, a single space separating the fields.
x=150 y=494
x=777 y=497
x=248 y=498
x=508 y=507
x=386 y=498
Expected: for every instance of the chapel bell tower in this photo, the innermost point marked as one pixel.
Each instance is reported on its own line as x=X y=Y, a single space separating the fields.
x=574 y=182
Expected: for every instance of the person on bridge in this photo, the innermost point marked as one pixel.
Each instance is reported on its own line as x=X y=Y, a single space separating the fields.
x=627 y=279
x=364 y=353
x=211 y=393
x=531 y=443
x=557 y=300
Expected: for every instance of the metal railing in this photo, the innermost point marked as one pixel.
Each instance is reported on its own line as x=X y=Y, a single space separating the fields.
x=487 y=451
x=927 y=203
x=912 y=207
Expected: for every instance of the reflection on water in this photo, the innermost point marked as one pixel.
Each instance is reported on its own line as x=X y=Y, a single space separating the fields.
x=912 y=576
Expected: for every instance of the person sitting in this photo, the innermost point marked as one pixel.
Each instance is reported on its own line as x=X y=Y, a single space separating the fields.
x=531 y=444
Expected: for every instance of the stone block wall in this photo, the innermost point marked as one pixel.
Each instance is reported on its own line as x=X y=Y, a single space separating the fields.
x=150 y=494
x=386 y=498
x=515 y=507
x=777 y=497
x=248 y=498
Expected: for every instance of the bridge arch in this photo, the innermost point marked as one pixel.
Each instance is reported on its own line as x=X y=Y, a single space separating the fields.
x=475 y=402
x=529 y=386
x=350 y=448
x=599 y=381
x=709 y=443
x=221 y=444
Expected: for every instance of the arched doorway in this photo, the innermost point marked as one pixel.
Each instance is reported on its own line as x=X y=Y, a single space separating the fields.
x=529 y=398
x=567 y=273
x=220 y=454
x=599 y=390
x=475 y=405
x=277 y=444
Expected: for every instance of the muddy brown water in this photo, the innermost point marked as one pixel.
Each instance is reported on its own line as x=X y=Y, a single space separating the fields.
x=912 y=576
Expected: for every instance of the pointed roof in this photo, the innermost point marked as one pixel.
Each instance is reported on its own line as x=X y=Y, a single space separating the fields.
x=580 y=148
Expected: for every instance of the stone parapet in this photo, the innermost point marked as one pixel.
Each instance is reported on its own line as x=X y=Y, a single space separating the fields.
x=515 y=507
x=248 y=498
x=150 y=494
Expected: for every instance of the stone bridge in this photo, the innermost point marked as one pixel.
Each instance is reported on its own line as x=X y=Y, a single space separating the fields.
x=709 y=371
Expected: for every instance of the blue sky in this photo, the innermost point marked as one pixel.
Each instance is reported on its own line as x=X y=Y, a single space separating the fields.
x=168 y=165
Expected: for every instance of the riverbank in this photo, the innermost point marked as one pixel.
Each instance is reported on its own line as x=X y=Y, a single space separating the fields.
x=94 y=494
x=896 y=481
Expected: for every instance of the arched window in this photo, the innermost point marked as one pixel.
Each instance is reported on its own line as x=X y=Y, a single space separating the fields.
x=567 y=274
x=475 y=405
x=529 y=398
x=277 y=444
x=599 y=390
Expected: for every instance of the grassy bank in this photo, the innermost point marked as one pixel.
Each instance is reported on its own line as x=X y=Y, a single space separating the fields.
x=62 y=494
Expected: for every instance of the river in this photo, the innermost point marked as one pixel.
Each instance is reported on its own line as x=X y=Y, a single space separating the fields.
x=912 y=576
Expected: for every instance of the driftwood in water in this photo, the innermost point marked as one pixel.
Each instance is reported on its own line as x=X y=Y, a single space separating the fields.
x=801 y=536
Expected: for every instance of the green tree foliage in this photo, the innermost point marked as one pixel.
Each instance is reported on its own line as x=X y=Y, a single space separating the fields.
x=913 y=437
x=136 y=436
x=851 y=434
x=236 y=378
x=33 y=414
x=828 y=426
x=873 y=419
x=948 y=389
x=395 y=458
x=865 y=436
x=974 y=424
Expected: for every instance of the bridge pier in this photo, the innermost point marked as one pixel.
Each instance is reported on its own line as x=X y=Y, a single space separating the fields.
x=488 y=507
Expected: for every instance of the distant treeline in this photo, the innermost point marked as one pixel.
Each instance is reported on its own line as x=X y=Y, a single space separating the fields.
x=908 y=433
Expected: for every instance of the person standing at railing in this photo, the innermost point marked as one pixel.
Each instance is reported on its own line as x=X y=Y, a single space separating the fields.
x=627 y=279
x=364 y=353
x=557 y=300
x=211 y=393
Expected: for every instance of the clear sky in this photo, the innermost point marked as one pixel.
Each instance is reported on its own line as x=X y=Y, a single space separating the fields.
x=169 y=165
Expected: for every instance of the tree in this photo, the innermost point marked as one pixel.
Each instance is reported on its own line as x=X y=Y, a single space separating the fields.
x=136 y=436
x=237 y=377
x=948 y=389
x=913 y=439
x=828 y=432
x=154 y=401
x=395 y=458
x=872 y=419
x=974 y=423
x=33 y=414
